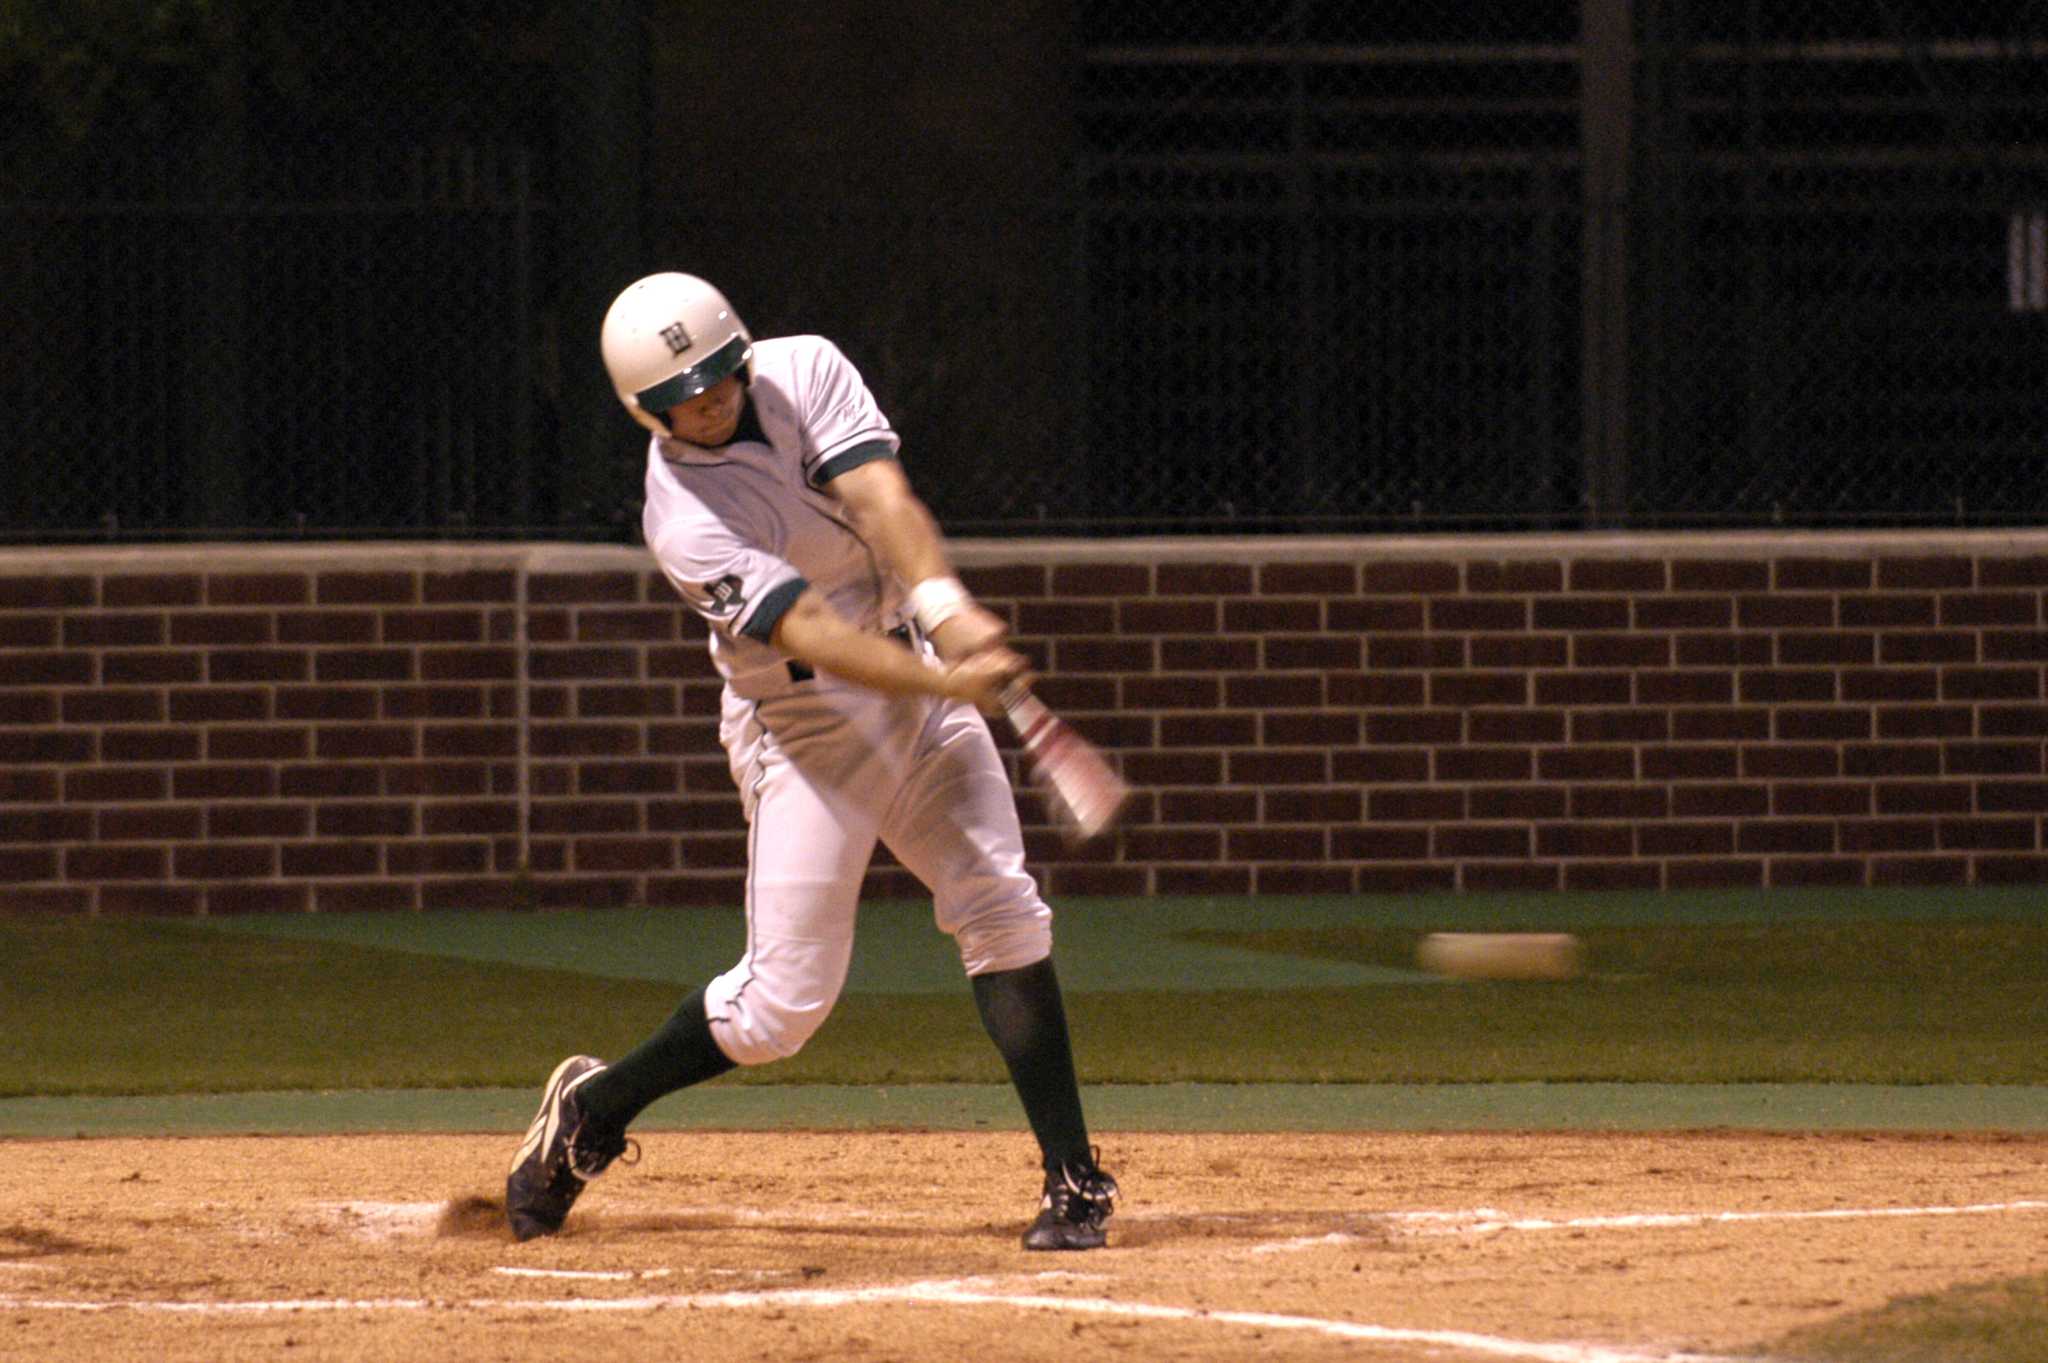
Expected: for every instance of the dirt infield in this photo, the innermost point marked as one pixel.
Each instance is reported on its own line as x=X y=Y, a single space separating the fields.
x=899 y=1245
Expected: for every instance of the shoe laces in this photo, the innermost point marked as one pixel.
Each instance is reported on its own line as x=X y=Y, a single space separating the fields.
x=1080 y=1191
x=592 y=1152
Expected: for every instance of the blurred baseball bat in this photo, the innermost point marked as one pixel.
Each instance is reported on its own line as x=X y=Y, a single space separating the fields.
x=1084 y=792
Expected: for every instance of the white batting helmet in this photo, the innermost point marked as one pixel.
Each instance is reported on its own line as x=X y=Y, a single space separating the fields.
x=666 y=339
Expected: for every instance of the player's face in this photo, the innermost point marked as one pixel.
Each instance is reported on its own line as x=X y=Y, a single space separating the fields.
x=712 y=416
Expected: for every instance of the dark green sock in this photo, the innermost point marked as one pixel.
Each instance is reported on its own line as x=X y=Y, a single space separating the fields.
x=682 y=1053
x=1027 y=1020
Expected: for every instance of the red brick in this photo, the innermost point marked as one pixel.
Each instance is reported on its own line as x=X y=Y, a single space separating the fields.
x=1584 y=688
x=1585 y=840
x=1290 y=768
x=1785 y=835
x=1977 y=609
x=45 y=592
x=1713 y=874
x=249 y=822
x=1919 y=871
x=1397 y=727
x=223 y=861
x=1586 y=764
x=1891 y=759
x=340 y=743
x=1413 y=578
x=224 y=783
x=491 y=664
x=2012 y=870
x=1691 y=687
x=331 y=780
x=2016 y=647
x=1724 y=650
x=1620 y=726
x=1259 y=616
x=1172 y=769
x=1783 y=685
x=445 y=626
x=1208 y=730
x=1173 y=844
x=1494 y=877
x=1797 y=648
x=1528 y=575
x=113 y=630
x=1007 y=581
x=327 y=627
x=1621 y=650
x=218 y=704
x=63 y=669
x=2012 y=797
x=1255 y=692
x=1923 y=797
x=2012 y=721
x=1991 y=683
x=20 y=786
x=1583 y=876
x=1308 y=579
x=1202 y=880
x=1274 y=844
x=1321 y=730
x=1525 y=651
x=1213 y=807
x=1392 y=651
x=1683 y=612
x=1381 y=766
x=1465 y=690
x=1719 y=575
x=1808 y=724
x=1151 y=617
x=257 y=665
x=1720 y=800
x=413 y=702
x=1210 y=655
x=1892 y=611
x=1617 y=575
x=1823 y=574
x=42 y=900
x=1626 y=801
x=1785 y=612
x=1484 y=764
x=1781 y=760
x=1332 y=654
x=1992 y=759
x=1916 y=646
x=1515 y=726
x=1464 y=613
x=1820 y=797
x=1790 y=872
x=1891 y=683
x=84 y=707
x=365 y=588
x=1926 y=571
x=1413 y=805
x=1271 y=878
x=214 y=628
x=1685 y=762
x=1072 y=580
x=1370 y=689
x=1406 y=880
x=1515 y=802
x=108 y=861
x=1584 y=613
x=1456 y=842
x=253 y=743
x=2030 y=571
x=151 y=823
x=329 y=859
x=1376 y=616
x=1319 y=806
x=150 y=589
x=28 y=631
x=148 y=745
x=1990 y=835
x=1925 y=721
x=481 y=585
x=1720 y=723
x=475 y=817
x=1203 y=579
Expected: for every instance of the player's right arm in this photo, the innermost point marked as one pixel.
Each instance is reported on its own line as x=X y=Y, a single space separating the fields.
x=814 y=633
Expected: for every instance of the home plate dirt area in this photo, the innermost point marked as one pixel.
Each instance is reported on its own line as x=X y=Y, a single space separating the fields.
x=1575 y=1248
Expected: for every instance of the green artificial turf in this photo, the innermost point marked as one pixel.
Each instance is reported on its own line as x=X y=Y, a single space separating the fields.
x=124 y=1006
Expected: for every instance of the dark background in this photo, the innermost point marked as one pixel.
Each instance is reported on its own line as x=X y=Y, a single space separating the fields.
x=273 y=270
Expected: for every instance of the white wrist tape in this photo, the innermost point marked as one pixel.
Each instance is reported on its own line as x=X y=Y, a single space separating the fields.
x=936 y=600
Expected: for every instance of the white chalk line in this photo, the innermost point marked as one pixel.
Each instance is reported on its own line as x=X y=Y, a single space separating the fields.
x=943 y=1292
x=1488 y=1221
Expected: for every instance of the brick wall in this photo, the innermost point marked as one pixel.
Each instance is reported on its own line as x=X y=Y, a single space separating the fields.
x=247 y=728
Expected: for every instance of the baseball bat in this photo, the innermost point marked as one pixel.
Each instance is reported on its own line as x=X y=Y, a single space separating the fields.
x=1084 y=792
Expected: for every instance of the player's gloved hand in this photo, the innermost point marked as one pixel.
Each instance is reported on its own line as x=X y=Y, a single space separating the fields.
x=980 y=677
x=971 y=629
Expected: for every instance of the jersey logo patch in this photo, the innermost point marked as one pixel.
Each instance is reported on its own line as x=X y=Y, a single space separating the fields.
x=720 y=598
x=678 y=339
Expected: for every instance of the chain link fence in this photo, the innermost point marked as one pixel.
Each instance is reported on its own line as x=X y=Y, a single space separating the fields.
x=1279 y=265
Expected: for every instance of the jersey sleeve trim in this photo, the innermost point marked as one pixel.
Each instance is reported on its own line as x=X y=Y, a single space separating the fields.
x=864 y=453
x=770 y=609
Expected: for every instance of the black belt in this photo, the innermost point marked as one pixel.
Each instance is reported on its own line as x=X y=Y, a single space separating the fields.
x=801 y=672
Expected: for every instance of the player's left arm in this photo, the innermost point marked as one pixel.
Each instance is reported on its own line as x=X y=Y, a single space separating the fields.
x=895 y=522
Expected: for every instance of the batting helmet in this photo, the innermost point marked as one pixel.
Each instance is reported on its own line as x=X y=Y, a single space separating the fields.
x=666 y=339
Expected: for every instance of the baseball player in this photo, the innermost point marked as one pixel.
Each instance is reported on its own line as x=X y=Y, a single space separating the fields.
x=855 y=668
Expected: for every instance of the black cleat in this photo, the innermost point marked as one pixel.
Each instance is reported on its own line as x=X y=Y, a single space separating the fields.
x=1078 y=1199
x=559 y=1155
